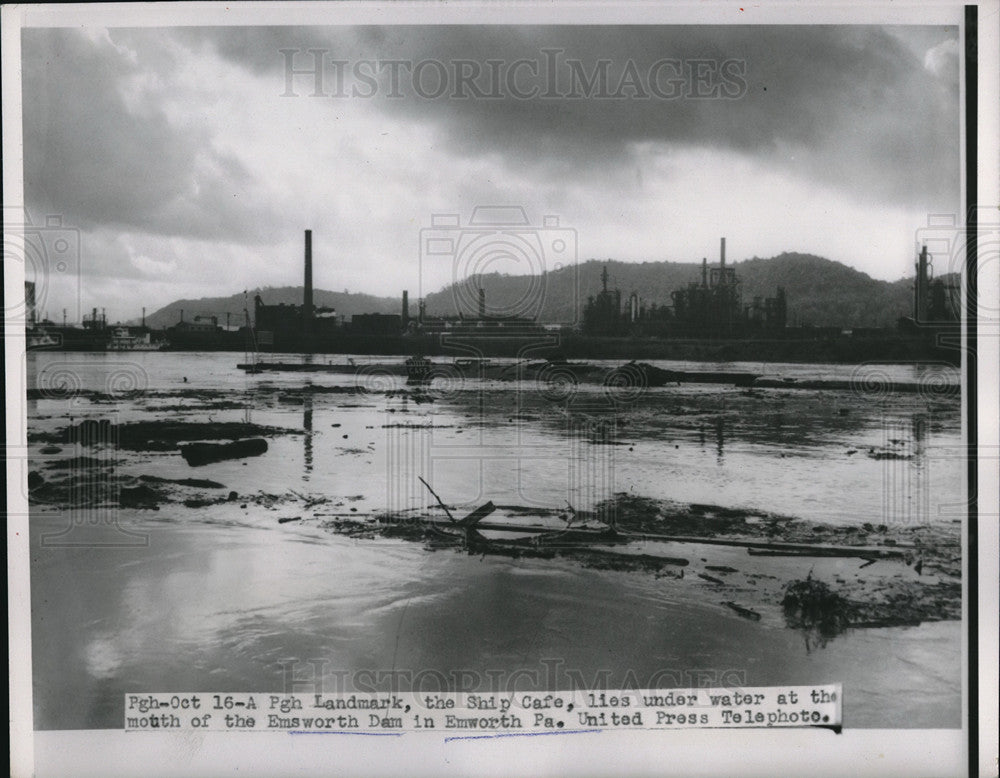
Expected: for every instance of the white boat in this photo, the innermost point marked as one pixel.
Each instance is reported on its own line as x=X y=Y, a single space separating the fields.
x=123 y=340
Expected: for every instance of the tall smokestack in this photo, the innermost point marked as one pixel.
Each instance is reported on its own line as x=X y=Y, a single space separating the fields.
x=307 y=294
x=920 y=287
x=704 y=271
x=482 y=303
x=406 y=307
x=722 y=254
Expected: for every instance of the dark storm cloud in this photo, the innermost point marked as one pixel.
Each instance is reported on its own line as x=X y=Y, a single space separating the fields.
x=104 y=154
x=848 y=106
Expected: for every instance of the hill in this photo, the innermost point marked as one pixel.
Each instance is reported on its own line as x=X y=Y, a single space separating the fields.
x=344 y=302
x=820 y=292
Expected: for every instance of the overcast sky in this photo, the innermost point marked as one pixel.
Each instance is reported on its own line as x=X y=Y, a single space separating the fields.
x=191 y=169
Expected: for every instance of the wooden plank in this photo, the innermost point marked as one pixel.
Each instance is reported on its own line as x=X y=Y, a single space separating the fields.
x=478 y=514
x=764 y=547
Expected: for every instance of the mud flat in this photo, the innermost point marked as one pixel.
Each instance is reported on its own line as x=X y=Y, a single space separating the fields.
x=686 y=543
x=877 y=576
x=811 y=575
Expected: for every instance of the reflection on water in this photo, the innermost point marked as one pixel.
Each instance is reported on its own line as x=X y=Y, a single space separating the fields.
x=210 y=608
x=307 y=438
x=226 y=599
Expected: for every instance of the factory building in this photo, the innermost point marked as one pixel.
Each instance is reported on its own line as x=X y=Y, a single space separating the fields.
x=481 y=325
x=294 y=327
x=709 y=307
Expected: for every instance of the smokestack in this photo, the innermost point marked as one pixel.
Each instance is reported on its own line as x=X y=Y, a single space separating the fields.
x=482 y=303
x=920 y=288
x=722 y=254
x=144 y=317
x=406 y=307
x=423 y=310
x=704 y=271
x=307 y=293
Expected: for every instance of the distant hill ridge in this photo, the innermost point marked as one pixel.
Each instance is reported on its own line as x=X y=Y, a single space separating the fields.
x=820 y=292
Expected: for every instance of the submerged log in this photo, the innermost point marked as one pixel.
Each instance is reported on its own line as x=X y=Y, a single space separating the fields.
x=744 y=612
x=197 y=454
x=862 y=552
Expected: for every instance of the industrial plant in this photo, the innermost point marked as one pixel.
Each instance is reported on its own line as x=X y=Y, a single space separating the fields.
x=710 y=310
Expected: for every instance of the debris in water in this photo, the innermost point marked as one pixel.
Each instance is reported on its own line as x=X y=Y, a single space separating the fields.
x=140 y=496
x=197 y=454
x=812 y=605
x=203 y=483
x=744 y=612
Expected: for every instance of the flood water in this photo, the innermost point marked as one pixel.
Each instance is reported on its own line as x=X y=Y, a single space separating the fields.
x=226 y=598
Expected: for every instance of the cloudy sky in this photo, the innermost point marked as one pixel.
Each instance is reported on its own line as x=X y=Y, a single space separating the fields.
x=191 y=159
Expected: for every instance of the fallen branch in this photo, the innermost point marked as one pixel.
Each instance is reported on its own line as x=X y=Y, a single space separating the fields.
x=439 y=501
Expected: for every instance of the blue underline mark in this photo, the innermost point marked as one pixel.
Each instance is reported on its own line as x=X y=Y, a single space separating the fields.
x=342 y=732
x=522 y=734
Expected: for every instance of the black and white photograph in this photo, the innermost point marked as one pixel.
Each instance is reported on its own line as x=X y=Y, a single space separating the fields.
x=494 y=389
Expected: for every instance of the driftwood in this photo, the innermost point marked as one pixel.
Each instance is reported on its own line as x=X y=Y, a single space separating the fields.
x=870 y=553
x=755 y=547
x=478 y=515
x=474 y=522
x=744 y=612
x=467 y=523
x=439 y=501
x=196 y=454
